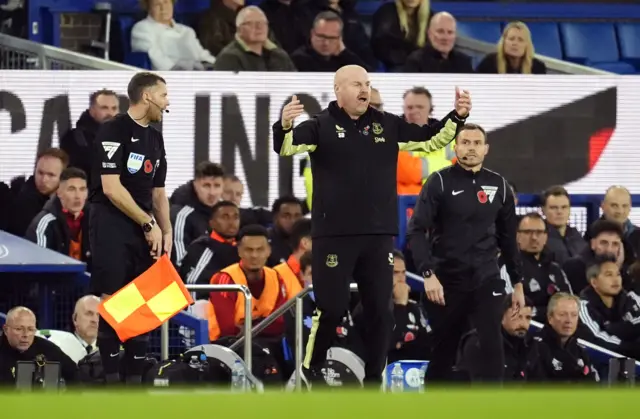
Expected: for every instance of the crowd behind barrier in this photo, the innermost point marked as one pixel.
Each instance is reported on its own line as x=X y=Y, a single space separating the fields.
x=559 y=31
x=57 y=291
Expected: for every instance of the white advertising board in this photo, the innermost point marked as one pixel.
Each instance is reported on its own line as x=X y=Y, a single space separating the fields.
x=576 y=130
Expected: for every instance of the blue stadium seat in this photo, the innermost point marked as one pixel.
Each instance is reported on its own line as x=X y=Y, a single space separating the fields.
x=629 y=41
x=593 y=44
x=618 y=67
x=136 y=59
x=482 y=31
x=546 y=39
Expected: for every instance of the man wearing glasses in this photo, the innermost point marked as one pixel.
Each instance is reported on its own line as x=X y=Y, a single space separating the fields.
x=542 y=277
x=19 y=342
x=326 y=51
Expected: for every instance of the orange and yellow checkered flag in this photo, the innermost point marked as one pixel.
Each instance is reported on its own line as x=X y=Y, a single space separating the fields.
x=146 y=302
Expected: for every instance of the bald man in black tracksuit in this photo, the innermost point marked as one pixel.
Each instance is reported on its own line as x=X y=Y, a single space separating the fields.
x=354 y=149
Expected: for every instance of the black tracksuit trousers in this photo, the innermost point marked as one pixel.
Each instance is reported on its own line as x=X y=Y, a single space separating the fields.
x=368 y=259
x=481 y=308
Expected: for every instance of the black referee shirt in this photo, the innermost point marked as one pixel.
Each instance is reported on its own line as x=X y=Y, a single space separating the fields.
x=136 y=153
x=468 y=216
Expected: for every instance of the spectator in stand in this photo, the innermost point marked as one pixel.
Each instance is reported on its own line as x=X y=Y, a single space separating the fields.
x=63 y=223
x=326 y=51
x=210 y=253
x=353 y=31
x=301 y=243
x=37 y=190
x=84 y=339
x=609 y=315
x=410 y=338
x=616 y=207
x=606 y=241
x=85 y=322
x=78 y=142
x=225 y=312
x=217 y=26
x=520 y=350
x=440 y=54
x=398 y=29
x=290 y=22
x=561 y=359
x=251 y=50
x=19 y=342
x=414 y=167
x=170 y=45
x=375 y=100
x=233 y=191
x=286 y=211
x=192 y=206
x=515 y=53
x=564 y=241
x=542 y=276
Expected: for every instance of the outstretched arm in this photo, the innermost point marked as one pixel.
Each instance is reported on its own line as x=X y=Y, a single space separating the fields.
x=287 y=140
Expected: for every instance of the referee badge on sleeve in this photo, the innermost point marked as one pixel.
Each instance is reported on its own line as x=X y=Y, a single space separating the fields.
x=134 y=162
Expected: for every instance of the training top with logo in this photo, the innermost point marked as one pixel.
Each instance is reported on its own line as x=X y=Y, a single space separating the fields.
x=460 y=220
x=354 y=165
x=136 y=153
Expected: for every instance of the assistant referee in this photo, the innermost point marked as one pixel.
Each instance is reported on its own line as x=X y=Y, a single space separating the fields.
x=130 y=213
x=464 y=215
x=354 y=151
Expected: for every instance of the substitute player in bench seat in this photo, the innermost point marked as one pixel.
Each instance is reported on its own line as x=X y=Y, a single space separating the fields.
x=270 y=290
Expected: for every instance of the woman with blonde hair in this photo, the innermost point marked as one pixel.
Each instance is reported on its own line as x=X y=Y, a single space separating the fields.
x=515 y=53
x=398 y=29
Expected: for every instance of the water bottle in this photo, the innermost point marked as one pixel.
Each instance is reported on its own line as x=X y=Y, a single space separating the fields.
x=423 y=373
x=238 y=377
x=397 y=378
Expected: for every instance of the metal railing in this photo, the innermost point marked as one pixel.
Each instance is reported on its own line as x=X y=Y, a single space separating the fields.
x=21 y=54
x=297 y=301
x=248 y=319
x=474 y=47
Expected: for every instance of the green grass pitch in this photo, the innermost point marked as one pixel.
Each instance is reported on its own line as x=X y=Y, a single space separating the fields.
x=464 y=404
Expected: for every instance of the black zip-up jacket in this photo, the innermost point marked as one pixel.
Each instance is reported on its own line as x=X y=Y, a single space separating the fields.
x=78 y=143
x=576 y=270
x=563 y=363
x=541 y=279
x=467 y=216
x=616 y=328
x=27 y=203
x=206 y=256
x=10 y=356
x=49 y=229
x=354 y=165
x=411 y=338
x=189 y=219
x=520 y=357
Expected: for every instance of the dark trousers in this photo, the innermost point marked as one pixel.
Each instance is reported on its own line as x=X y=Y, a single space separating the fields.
x=369 y=261
x=120 y=255
x=481 y=308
